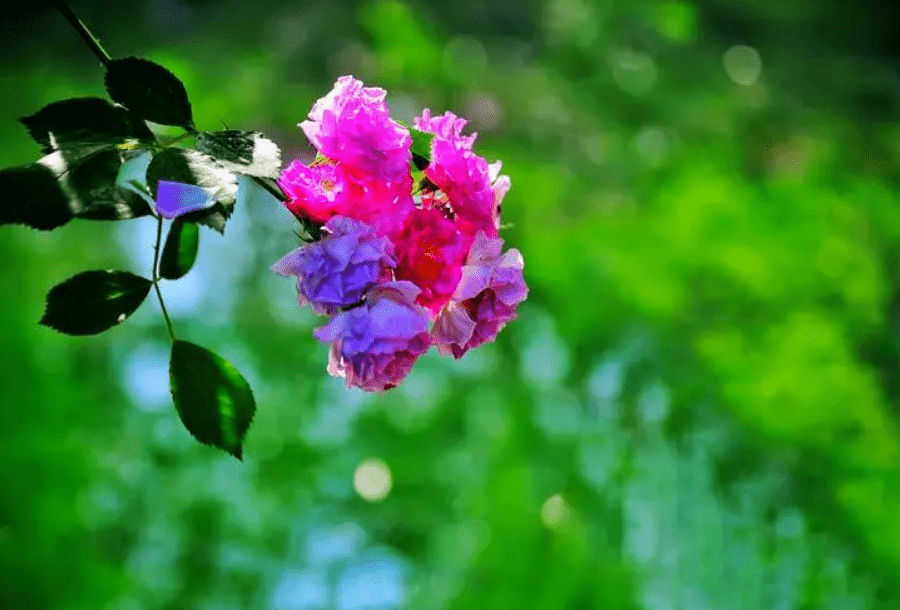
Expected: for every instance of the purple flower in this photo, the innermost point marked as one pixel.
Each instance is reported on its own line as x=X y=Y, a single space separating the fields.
x=485 y=299
x=374 y=346
x=352 y=125
x=337 y=270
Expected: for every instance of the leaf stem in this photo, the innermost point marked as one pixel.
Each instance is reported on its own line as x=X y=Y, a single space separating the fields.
x=274 y=191
x=105 y=59
x=82 y=30
x=155 y=277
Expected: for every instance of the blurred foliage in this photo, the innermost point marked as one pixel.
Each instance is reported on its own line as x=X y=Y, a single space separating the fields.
x=696 y=409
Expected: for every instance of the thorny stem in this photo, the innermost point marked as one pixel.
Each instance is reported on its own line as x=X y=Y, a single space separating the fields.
x=105 y=59
x=82 y=30
x=155 y=276
x=273 y=190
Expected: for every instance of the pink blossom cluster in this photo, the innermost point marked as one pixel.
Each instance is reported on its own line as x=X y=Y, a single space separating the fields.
x=406 y=259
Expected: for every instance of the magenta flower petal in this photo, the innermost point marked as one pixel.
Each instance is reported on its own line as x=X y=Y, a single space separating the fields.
x=352 y=125
x=430 y=253
x=396 y=255
x=316 y=193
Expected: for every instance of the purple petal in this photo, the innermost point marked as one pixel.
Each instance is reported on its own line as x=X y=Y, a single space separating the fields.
x=176 y=198
x=332 y=330
x=292 y=263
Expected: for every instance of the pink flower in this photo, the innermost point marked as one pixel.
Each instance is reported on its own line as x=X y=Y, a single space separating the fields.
x=315 y=193
x=394 y=256
x=489 y=290
x=430 y=253
x=374 y=346
x=465 y=178
x=383 y=205
x=352 y=125
x=447 y=126
x=325 y=189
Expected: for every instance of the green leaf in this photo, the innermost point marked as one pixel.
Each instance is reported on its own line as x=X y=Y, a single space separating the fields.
x=215 y=403
x=180 y=251
x=33 y=197
x=421 y=148
x=150 y=91
x=194 y=167
x=76 y=182
x=244 y=152
x=96 y=194
x=81 y=121
x=94 y=301
x=87 y=178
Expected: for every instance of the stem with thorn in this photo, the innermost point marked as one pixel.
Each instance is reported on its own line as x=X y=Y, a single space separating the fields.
x=105 y=59
x=156 y=278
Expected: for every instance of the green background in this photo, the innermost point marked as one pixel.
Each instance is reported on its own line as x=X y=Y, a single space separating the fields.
x=696 y=409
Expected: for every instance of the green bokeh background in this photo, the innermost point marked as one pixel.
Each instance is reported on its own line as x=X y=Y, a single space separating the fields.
x=696 y=409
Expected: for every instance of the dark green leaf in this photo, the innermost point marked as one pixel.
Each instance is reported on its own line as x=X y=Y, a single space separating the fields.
x=194 y=167
x=33 y=197
x=421 y=148
x=81 y=121
x=150 y=91
x=214 y=401
x=244 y=152
x=180 y=251
x=96 y=195
x=94 y=301
x=86 y=179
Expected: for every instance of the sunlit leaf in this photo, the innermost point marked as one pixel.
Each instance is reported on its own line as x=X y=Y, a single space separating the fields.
x=150 y=91
x=94 y=301
x=87 y=178
x=96 y=194
x=213 y=400
x=244 y=152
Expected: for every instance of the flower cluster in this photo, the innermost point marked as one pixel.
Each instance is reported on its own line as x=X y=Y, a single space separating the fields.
x=402 y=263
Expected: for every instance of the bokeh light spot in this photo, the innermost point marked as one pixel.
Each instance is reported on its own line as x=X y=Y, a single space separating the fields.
x=634 y=72
x=554 y=511
x=372 y=480
x=742 y=64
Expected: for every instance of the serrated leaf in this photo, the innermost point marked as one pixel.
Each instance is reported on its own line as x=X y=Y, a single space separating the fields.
x=94 y=301
x=94 y=181
x=150 y=91
x=421 y=148
x=180 y=250
x=213 y=400
x=87 y=177
x=243 y=152
x=33 y=197
x=178 y=165
x=81 y=121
